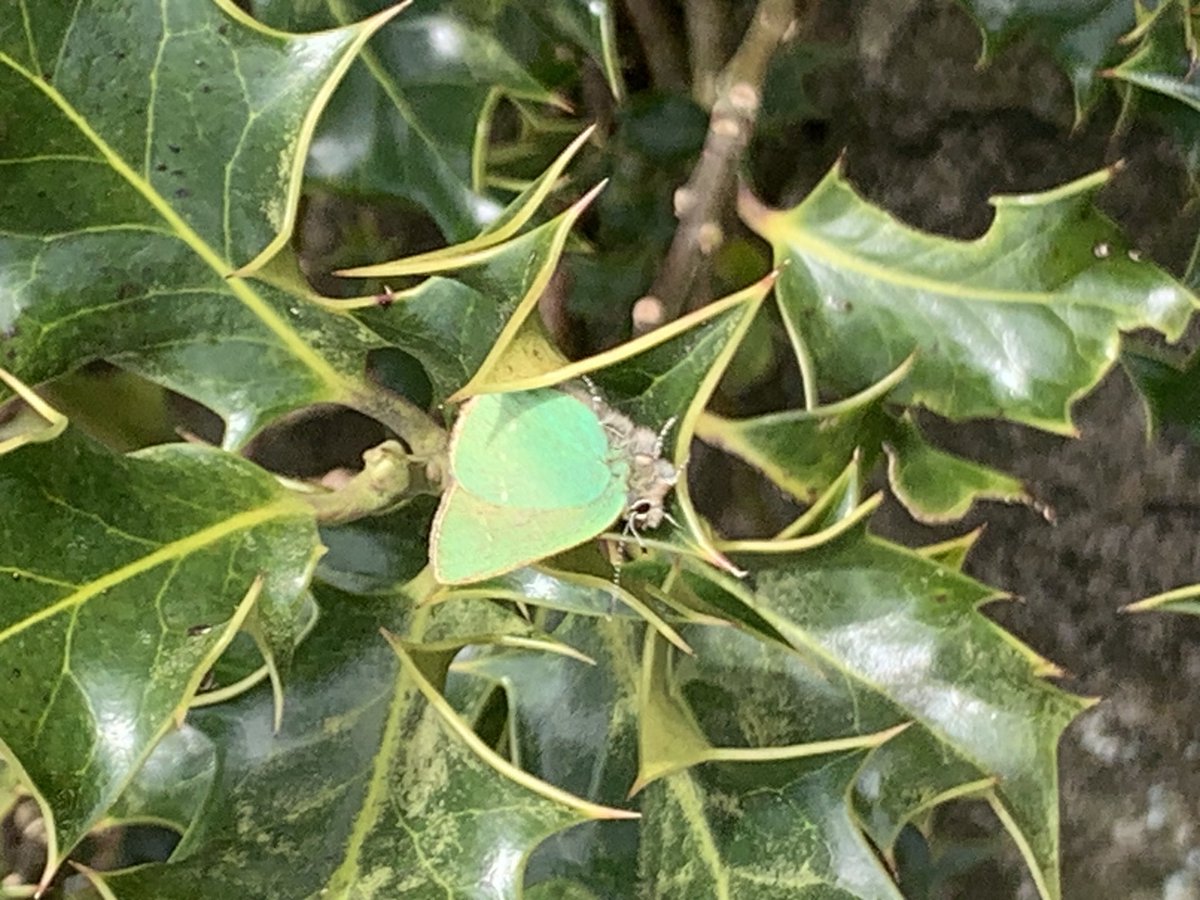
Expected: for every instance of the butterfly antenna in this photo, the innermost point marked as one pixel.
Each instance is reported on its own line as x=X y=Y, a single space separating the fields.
x=593 y=391
x=662 y=435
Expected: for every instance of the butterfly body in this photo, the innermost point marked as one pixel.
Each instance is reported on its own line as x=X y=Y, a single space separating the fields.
x=533 y=473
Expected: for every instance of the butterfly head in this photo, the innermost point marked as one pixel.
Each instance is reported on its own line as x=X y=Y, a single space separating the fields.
x=651 y=479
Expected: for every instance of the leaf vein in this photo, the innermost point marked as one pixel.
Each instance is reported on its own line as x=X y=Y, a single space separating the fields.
x=165 y=553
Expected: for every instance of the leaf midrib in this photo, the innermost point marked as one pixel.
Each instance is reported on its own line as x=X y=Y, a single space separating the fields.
x=798 y=239
x=375 y=798
x=173 y=550
x=237 y=286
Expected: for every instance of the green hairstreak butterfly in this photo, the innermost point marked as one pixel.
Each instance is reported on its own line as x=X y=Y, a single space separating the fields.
x=533 y=473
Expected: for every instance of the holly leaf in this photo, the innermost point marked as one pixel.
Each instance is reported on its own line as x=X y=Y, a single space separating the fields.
x=588 y=24
x=1160 y=79
x=559 y=706
x=1016 y=324
x=938 y=487
x=804 y=451
x=778 y=832
x=397 y=794
x=1080 y=34
x=109 y=618
x=378 y=554
x=1163 y=60
x=457 y=326
x=837 y=508
x=569 y=591
x=906 y=630
x=952 y=553
x=506 y=225
x=1184 y=599
x=575 y=726
x=175 y=134
x=411 y=118
x=1171 y=393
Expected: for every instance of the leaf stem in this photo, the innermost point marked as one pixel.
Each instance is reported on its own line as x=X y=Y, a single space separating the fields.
x=702 y=203
x=386 y=481
x=425 y=438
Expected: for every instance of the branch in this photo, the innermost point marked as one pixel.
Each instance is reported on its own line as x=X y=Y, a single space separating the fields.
x=701 y=204
x=660 y=42
x=705 y=28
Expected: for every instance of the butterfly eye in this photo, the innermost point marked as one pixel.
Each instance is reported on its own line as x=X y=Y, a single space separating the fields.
x=640 y=510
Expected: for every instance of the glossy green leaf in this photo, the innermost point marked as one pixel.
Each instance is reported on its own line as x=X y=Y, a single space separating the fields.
x=559 y=889
x=681 y=726
x=804 y=451
x=952 y=553
x=1158 y=82
x=111 y=617
x=589 y=24
x=1162 y=61
x=842 y=501
x=1184 y=599
x=379 y=554
x=577 y=591
x=261 y=651
x=455 y=623
x=173 y=783
x=1171 y=393
x=506 y=225
x=373 y=787
x=1081 y=34
x=575 y=726
x=454 y=324
x=1016 y=324
x=891 y=621
x=150 y=149
x=937 y=487
x=660 y=374
x=772 y=830
x=412 y=116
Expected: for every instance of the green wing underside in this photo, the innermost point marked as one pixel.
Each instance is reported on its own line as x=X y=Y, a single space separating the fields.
x=539 y=449
x=474 y=539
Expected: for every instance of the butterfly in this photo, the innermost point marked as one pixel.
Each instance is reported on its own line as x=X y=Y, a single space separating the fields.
x=533 y=473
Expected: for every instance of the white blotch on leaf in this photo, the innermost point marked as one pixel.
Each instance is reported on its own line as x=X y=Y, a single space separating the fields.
x=445 y=39
x=1160 y=300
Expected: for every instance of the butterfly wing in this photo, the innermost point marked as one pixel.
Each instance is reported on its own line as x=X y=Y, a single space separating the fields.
x=474 y=539
x=539 y=449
